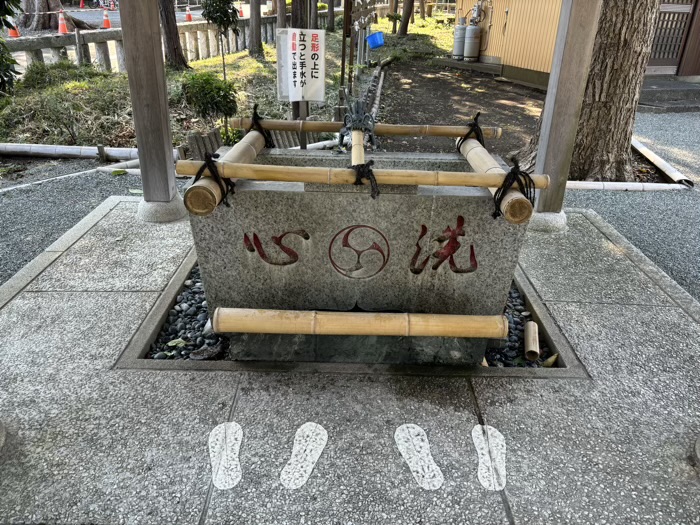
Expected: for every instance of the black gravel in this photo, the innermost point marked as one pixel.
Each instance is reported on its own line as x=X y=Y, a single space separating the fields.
x=512 y=353
x=184 y=334
x=32 y=218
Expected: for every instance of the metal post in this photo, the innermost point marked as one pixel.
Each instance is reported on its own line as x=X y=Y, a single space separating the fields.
x=578 y=24
x=149 y=99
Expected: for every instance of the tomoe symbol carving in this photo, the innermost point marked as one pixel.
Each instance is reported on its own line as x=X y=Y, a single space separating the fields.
x=359 y=252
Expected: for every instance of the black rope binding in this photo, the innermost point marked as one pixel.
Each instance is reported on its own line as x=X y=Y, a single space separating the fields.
x=225 y=185
x=474 y=129
x=525 y=185
x=364 y=171
x=257 y=126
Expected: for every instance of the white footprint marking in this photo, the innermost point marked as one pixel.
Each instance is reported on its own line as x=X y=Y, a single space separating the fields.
x=413 y=444
x=309 y=442
x=491 y=449
x=224 y=445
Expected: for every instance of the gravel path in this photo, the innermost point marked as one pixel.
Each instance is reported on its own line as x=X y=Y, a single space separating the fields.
x=22 y=170
x=675 y=137
x=32 y=218
x=662 y=224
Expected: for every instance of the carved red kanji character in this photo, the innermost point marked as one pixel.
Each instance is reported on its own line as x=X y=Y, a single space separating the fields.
x=450 y=245
x=257 y=245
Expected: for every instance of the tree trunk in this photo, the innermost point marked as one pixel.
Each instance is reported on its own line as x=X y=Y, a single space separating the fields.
x=255 y=49
x=42 y=15
x=406 y=17
x=620 y=55
x=174 y=57
x=330 y=27
x=394 y=10
x=421 y=6
x=313 y=15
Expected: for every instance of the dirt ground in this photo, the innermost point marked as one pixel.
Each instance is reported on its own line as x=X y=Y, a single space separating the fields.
x=417 y=92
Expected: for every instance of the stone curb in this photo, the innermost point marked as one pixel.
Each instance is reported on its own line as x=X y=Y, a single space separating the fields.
x=35 y=267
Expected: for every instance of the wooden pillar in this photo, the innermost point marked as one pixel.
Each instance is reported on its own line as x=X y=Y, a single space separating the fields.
x=578 y=24
x=149 y=99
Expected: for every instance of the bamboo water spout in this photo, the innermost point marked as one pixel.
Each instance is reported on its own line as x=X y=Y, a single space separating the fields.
x=515 y=207
x=205 y=195
x=244 y=320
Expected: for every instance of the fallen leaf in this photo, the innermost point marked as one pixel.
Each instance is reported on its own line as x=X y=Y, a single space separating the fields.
x=136 y=191
x=549 y=363
x=177 y=342
x=119 y=172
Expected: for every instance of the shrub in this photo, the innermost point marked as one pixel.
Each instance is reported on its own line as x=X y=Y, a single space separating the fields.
x=209 y=96
x=41 y=76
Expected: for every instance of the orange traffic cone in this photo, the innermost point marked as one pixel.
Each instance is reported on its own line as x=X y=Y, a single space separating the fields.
x=240 y=8
x=188 y=15
x=13 y=32
x=62 y=27
x=106 y=24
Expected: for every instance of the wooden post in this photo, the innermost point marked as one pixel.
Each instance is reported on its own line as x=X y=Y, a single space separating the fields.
x=243 y=320
x=183 y=45
x=149 y=99
x=192 y=45
x=82 y=50
x=578 y=24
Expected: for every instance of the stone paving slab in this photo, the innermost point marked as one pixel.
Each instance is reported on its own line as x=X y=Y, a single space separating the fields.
x=360 y=477
x=568 y=267
x=120 y=254
x=663 y=225
x=88 y=445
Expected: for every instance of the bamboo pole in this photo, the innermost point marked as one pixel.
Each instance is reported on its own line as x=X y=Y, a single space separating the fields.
x=357 y=153
x=205 y=195
x=332 y=176
x=244 y=320
x=404 y=130
x=515 y=207
x=532 y=341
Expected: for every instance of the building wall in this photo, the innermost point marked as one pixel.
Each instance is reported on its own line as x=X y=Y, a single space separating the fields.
x=522 y=39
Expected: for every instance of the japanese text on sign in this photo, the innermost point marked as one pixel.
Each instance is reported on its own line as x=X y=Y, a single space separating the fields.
x=306 y=65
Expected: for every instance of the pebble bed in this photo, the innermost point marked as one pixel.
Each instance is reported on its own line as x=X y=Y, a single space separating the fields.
x=185 y=334
x=512 y=354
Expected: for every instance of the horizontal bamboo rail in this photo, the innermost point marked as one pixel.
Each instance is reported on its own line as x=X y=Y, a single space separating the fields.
x=332 y=176
x=402 y=130
x=244 y=320
x=205 y=195
x=515 y=207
